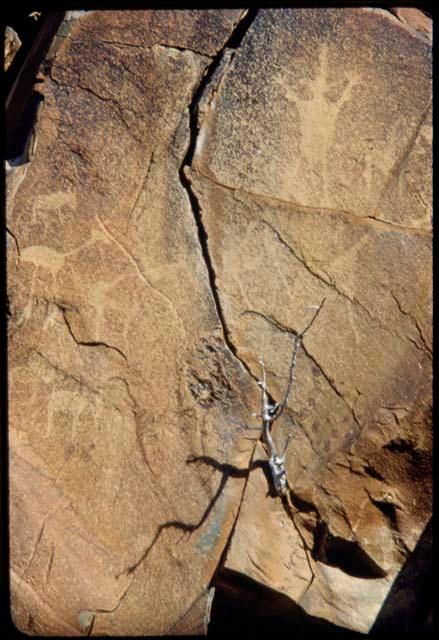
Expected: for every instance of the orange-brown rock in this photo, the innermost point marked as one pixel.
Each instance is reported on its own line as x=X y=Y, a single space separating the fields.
x=118 y=371
x=313 y=173
x=182 y=212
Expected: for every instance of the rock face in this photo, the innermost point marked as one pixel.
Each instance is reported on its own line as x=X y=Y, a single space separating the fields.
x=118 y=370
x=328 y=194
x=201 y=179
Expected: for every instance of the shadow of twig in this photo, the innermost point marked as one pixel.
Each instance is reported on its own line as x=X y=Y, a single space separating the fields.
x=227 y=470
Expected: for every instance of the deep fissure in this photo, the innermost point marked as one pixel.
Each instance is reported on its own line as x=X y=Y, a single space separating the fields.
x=233 y=42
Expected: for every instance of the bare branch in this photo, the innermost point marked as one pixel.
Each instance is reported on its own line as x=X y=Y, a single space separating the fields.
x=271 y=411
x=308 y=326
x=296 y=343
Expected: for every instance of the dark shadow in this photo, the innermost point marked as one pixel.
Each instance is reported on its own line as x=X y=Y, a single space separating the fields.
x=335 y=551
x=409 y=602
x=346 y=555
x=18 y=150
x=245 y=607
x=21 y=75
x=227 y=470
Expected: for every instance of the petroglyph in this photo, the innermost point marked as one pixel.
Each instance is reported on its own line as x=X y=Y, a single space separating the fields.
x=319 y=109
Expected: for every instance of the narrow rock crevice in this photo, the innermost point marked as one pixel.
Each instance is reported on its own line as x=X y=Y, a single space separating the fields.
x=333 y=386
x=87 y=617
x=270 y=319
x=327 y=280
x=415 y=323
x=280 y=327
x=101 y=344
x=142 y=47
x=178 y=49
x=115 y=43
x=326 y=376
x=88 y=343
x=119 y=108
x=233 y=42
x=66 y=375
x=290 y=511
x=348 y=216
x=14 y=237
x=399 y=163
x=50 y=565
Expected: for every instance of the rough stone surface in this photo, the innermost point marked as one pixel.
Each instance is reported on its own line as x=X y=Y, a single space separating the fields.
x=313 y=173
x=328 y=117
x=118 y=372
x=145 y=284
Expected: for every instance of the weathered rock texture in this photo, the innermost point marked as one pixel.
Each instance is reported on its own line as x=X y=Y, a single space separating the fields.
x=155 y=252
x=118 y=369
x=312 y=171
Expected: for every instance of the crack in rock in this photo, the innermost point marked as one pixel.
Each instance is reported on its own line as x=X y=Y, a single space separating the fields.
x=349 y=216
x=66 y=375
x=389 y=508
x=87 y=343
x=284 y=329
x=178 y=49
x=298 y=255
x=399 y=164
x=87 y=617
x=327 y=281
x=346 y=555
x=119 y=109
x=290 y=511
x=415 y=324
x=213 y=85
x=223 y=557
x=14 y=237
x=233 y=42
